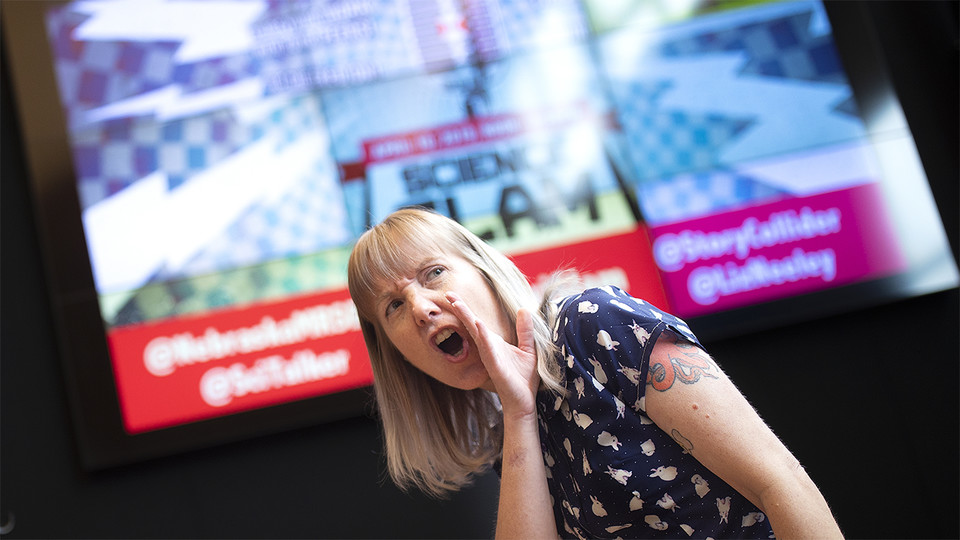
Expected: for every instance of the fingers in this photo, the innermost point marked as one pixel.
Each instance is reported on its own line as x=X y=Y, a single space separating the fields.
x=525 y=333
x=478 y=330
x=463 y=311
x=485 y=340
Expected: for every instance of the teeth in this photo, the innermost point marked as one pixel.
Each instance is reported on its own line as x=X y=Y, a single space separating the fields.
x=443 y=335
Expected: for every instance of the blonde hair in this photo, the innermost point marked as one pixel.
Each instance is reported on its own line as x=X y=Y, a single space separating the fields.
x=437 y=437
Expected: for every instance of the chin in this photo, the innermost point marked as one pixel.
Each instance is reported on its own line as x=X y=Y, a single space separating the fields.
x=476 y=382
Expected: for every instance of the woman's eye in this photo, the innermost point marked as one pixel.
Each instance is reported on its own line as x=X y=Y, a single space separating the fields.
x=435 y=272
x=392 y=306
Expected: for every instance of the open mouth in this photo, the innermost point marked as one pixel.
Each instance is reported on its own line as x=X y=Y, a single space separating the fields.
x=449 y=342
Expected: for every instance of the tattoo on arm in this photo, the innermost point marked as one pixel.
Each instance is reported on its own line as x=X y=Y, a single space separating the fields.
x=684 y=362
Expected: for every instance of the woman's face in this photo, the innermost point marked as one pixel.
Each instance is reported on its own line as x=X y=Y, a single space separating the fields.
x=420 y=322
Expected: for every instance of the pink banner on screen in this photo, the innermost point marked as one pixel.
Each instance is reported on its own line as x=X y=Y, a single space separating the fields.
x=776 y=250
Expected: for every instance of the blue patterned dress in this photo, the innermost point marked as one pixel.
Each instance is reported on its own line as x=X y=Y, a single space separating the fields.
x=612 y=472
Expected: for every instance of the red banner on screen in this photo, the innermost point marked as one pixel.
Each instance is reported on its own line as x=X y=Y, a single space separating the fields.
x=775 y=250
x=193 y=368
x=471 y=132
x=623 y=260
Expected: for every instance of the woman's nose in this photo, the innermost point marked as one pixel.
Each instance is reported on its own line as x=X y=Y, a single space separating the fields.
x=425 y=308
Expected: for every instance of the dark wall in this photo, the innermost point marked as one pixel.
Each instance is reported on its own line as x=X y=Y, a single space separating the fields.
x=867 y=400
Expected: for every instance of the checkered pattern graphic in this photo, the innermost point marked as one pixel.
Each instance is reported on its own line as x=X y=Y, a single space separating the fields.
x=692 y=195
x=214 y=72
x=783 y=47
x=272 y=280
x=668 y=142
x=111 y=155
x=94 y=73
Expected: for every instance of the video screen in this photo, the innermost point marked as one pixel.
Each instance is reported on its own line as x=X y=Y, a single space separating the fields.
x=703 y=156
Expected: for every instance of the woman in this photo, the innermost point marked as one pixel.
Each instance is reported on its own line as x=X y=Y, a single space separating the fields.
x=603 y=414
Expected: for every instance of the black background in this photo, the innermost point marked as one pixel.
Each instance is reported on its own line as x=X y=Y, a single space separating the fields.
x=867 y=400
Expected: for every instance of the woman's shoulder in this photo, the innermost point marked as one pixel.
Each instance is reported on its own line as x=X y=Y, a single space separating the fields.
x=607 y=301
x=608 y=306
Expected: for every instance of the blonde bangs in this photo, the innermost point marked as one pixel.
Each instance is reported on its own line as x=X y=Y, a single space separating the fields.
x=388 y=252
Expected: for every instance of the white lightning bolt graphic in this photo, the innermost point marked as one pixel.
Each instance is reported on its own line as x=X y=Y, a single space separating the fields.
x=208 y=29
x=169 y=102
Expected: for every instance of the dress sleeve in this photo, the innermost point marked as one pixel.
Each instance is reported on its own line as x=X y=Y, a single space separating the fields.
x=612 y=335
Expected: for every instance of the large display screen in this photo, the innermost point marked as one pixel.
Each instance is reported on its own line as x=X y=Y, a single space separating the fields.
x=706 y=156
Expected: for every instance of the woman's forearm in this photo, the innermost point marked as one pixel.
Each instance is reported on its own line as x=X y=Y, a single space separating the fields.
x=797 y=509
x=525 y=509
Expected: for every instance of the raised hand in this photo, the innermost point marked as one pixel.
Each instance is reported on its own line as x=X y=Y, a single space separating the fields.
x=512 y=368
